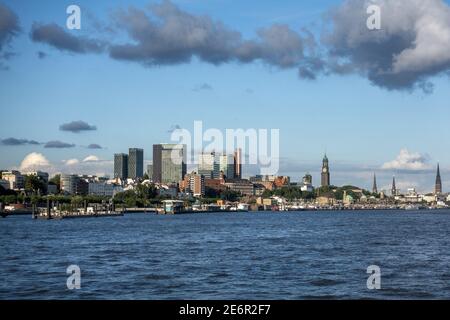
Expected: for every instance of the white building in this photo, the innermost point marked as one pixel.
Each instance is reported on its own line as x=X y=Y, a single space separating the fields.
x=103 y=189
x=15 y=179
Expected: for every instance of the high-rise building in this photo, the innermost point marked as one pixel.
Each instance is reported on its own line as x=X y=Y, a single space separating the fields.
x=394 y=188
x=169 y=163
x=325 y=172
x=227 y=165
x=121 y=166
x=438 y=184
x=208 y=165
x=197 y=184
x=374 y=187
x=238 y=164
x=135 y=163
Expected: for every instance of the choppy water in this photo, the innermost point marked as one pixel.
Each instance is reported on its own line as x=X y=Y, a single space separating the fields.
x=229 y=256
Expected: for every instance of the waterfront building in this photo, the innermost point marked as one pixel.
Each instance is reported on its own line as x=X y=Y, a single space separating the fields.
x=74 y=185
x=438 y=184
x=227 y=165
x=282 y=181
x=197 y=185
x=135 y=163
x=238 y=164
x=69 y=183
x=215 y=184
x=121 y=166
x=208 y=165
x=43 y=176
x=245 y=187
x=169 y=163
x=307 y=185
x=374 y=187
x=325 y=172
x=15 y=178
x=103 y=189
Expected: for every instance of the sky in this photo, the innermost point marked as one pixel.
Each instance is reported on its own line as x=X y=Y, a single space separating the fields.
x=374 y=101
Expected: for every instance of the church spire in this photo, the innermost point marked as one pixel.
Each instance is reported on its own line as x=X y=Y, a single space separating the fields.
x=375 y=187
x=438 y=184
x=394 y=187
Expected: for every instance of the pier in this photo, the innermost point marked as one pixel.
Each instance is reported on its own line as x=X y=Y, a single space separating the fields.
x=58 y=211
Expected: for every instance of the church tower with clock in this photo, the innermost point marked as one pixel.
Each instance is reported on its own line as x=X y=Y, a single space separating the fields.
x=325 y=172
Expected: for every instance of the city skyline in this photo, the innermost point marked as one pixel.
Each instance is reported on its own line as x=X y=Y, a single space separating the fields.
x=75 y=110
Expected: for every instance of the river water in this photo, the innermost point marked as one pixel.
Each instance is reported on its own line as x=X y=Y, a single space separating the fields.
x=295 y=255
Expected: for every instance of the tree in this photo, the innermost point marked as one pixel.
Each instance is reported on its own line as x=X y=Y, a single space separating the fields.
x=57 y=181
x=34 y=184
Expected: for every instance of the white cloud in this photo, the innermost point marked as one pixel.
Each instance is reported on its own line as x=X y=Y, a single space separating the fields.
x=71 y=162
x=91 y=159
x=408 y=161
x=34 y=161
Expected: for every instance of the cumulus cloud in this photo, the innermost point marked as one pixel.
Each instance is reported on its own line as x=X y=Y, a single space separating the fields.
x=409 y=161
x=58 y=145
x=37 y=161
x=9 y=28
x=412 y=45
x=17 y=142
x=57 y=37
x=34 y=161
x=168 y=35
x=77 y=127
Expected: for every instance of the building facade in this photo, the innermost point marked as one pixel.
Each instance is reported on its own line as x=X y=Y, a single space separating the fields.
x=121 y=166
x=135 y=163
x=238 y=164
x=208 y=165
x=169 y=163
x=325 y=181
x=227 y=165
x=15 y=178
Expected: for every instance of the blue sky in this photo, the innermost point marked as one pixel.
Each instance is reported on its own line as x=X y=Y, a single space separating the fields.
x=362 y=126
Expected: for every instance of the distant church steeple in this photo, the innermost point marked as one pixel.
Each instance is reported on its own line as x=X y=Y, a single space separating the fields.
x=438 y=185
x=375 y=187
x=325 y=172
x=394 y=188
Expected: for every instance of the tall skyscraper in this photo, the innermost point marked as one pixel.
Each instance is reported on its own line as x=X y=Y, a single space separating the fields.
x=169 y=163
x=135 y=163
x=438 y=185
x=208 y=165
x=374 y=187
x=238 y=164
x=227 y=165
x=394 y=187
x=121 y=166
x=325 y=172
